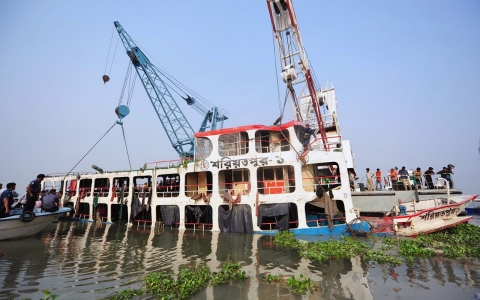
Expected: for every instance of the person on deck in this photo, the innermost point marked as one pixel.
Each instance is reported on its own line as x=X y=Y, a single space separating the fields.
x=378 y=181
x=404 y=177
x=33 y=189
x=428 y=178
x=51 y=201
x=307 y=133
x=445 y=173
x=351 y=178
x=370 y=180
x=6 y=200
x=418 y=178
x=394 y=178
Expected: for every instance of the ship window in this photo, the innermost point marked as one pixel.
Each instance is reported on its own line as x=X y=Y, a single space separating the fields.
x=198 y=184
x=276 y=180
x=168 y=185
x=142 y=186
x=47 y=185
x=120 y=182
x=101 y=187
x=324 y=173
x=233 y=144
x=71 y=188
x=85 y=187
x=272 y=141
x=236 y=181
x=203 y=148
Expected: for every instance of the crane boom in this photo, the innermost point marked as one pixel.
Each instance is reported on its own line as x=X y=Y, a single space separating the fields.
x=173 y=120
x=305 y=97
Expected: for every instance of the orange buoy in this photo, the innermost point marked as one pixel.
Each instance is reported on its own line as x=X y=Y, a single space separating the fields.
x=105 y=78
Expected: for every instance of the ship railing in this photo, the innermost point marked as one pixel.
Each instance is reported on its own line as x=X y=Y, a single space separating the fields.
x=310 y=183
x=424 y=185
x=196 y=226
x=235 y=187
x=334 y=143
x=194 y=190
x=279 y=186
x=165 y=164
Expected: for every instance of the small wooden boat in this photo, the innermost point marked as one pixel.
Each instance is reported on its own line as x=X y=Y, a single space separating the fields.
x=425 y=216
x=20 y=224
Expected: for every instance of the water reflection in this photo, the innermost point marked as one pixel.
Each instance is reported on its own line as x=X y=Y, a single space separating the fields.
x=86 y=261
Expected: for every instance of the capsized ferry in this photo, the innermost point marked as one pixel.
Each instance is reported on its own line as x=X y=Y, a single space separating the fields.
x=244 y=179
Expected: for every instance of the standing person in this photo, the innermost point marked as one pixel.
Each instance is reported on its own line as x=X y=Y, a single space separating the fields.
x=445 y=173
x=404 y=177
x=33 y=189
x=428 y=178
x=418 y=178
x=51 y=201
x=393 y=178
x=351 y=178
x=1 y=188
x=450 y=171
x=369 y=180
x=306 y=136
x=378 y=182
x=6 y=200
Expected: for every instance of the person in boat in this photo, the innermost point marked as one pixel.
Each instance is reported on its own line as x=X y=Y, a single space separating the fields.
x=307 y=133
x=51 y=201
x=418 y=178
x=394 y=177
x=404 y=177
x=7 y=200
x=33 y=189
x=378 y=181
x=428 y=178
x=370 y=180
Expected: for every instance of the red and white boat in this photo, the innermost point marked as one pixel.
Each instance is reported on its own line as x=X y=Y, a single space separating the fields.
x=423 y=216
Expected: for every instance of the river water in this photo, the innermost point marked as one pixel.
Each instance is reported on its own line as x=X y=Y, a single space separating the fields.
x=79 y=260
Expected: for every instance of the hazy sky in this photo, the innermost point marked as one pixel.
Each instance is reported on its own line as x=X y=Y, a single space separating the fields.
x=406 y=74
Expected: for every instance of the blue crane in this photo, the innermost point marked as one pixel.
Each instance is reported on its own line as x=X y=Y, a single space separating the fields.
x=173 y=120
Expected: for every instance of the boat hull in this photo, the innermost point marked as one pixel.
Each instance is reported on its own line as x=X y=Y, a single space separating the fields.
x=13 y=227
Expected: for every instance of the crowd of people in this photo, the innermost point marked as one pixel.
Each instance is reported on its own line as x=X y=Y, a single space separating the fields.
x=33 y=200
x=402 y=179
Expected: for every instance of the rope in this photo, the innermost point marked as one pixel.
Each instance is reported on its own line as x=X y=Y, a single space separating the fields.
x=125 y=140
x=89 y=150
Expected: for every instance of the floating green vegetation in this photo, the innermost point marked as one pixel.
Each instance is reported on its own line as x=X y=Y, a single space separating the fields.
x=460 y=242
x=273 y=278
x=189 y=282
x=127 y=294
x=230 y=272
x=301 y=286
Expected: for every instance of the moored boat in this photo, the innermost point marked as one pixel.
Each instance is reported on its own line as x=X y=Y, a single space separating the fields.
x=20 y=224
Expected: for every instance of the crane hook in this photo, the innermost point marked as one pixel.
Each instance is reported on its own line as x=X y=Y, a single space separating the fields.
x=105 y=78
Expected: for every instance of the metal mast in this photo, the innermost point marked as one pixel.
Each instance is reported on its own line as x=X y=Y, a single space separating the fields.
x=305 y=97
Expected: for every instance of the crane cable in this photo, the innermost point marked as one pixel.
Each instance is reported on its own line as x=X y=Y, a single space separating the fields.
x=108 y=55
x=276 y=75
x=125 y=140
x=90 y=150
